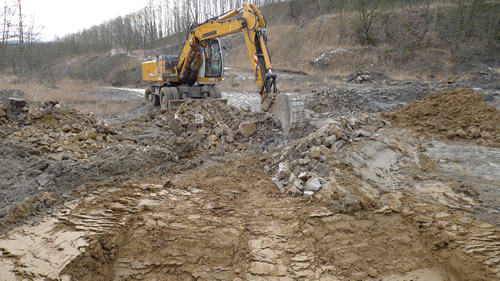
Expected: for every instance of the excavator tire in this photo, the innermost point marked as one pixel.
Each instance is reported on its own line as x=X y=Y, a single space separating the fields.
x=150 y=97
x=165 y=96
x=288 y=108
x=175 y=93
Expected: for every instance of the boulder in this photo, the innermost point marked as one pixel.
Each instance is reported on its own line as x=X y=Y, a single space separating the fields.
x=329 y=141
x=247 y=129
x=17 y=102
x=315 y=152
x=313 y=184
x=283 y=171
x=322 y=170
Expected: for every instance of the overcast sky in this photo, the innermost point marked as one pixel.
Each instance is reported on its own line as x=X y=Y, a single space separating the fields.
x=60 y=17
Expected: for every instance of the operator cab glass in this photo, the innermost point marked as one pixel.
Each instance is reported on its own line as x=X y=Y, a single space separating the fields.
x=213 y=59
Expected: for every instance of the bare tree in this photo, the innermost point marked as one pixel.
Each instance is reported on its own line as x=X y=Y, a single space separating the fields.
x=366 y=11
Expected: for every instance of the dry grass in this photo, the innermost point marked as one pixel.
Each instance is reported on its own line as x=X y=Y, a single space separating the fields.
x=79 y=95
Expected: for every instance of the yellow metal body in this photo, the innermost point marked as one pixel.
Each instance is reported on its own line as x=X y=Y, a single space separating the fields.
x=246 y=19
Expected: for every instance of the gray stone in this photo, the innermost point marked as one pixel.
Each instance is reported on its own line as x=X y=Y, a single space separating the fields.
x=55 y=156
x=313 y=184
x=176 y=127
x=303 y=176
x=303 y=161
x=362 y=133
x=322 y=170
x=17 y=102
x=329 y=141
x=44 y=179
x=283 y=171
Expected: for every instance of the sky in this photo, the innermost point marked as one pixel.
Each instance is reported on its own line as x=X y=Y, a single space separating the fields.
x=60 y=17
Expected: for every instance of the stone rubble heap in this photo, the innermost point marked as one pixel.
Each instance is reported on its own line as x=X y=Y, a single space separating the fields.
x=303 y=167
x=213 y=127
x=56 y=131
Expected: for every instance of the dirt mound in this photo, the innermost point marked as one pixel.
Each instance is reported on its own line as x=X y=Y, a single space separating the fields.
x=57 y=131
x=456 y=114
x=211 y=126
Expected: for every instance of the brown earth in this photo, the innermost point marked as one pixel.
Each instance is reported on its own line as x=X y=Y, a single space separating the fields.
x=455 y=114
x=215 y=192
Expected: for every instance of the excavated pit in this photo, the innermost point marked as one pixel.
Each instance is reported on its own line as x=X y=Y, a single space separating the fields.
x=391 y=204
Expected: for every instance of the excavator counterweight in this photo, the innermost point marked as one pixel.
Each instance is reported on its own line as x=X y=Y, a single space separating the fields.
x=200 y=65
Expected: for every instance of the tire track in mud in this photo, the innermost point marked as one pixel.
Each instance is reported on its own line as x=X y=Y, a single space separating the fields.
x=227 y=221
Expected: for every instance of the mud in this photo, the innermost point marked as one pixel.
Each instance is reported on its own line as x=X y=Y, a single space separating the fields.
x=207 y=193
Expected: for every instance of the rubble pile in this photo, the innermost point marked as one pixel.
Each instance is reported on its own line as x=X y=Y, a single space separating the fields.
x=56 y=131
x=354 y=100
x=303 y=166
x=456 y=114
x=365 y=77
x=214 y=127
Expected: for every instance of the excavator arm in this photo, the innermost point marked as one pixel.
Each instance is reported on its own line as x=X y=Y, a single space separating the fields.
x=287 y=108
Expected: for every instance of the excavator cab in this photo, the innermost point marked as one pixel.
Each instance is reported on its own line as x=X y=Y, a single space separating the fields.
x=213 y=59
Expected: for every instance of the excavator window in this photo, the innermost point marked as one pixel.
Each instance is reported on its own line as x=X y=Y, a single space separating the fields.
x=213 y=59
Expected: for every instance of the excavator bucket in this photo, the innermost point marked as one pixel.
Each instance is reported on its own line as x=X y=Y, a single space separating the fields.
x=288 y=108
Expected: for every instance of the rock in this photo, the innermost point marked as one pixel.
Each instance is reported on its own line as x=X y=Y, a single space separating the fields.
x=88 y=134
x=247 y=129
x=366 y=77
x=2 y=111
x=44 y=179
x=303 y=176
x=50 y=120
x=2 y=134
x=475 y=132
x=212 y=140
x=230 y=138
x=313 y=184
x=55 y=156
x=283 y=171
x=461 y=133
x=77 y=127
x=17 y=102
x=298 y=184
x=176 y=127
x=308 y=193
x=324 y=150
x=315 y=152
x=362 y=133
x=329 y=141
x=322 y=170
x=66 y=128
x=334 y=130
x=304 y=161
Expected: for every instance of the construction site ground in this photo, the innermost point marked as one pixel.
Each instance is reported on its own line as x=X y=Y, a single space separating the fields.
x=377 y=186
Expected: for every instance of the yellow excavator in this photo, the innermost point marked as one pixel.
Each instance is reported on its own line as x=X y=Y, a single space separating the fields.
x=200 y=65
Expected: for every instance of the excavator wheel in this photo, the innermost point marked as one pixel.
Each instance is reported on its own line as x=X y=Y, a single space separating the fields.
x=288 y=108
x=165 y=96
x=175 y=93
x=150 y=97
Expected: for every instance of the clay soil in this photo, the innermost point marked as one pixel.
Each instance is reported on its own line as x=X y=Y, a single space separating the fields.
x=204 y=194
